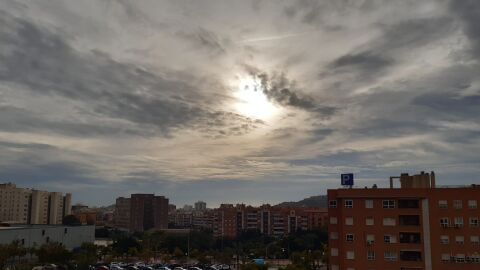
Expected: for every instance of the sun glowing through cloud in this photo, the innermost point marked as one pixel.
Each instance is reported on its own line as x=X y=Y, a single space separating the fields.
x=251 y=101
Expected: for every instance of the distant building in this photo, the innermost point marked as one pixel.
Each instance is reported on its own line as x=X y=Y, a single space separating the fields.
x=87 y=217
x=141 y=212
x=416 y=226
x=121 y=215
x=230 y=220
x=78 y=208
x=187 y=207
x=30 y=206
x=36 y=235
x=200 y=206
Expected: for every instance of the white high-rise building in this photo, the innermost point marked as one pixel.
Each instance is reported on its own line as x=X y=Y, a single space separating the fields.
x=30 y=206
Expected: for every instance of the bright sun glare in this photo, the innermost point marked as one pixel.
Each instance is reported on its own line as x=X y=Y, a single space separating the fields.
x=252 y=102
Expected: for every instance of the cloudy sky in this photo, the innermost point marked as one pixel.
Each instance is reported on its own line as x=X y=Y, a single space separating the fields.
x=236 y=101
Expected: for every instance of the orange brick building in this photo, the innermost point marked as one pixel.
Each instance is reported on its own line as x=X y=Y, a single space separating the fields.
x=229 y=220
x=415 y=227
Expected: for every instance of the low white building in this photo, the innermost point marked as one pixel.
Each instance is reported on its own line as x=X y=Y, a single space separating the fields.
x=37 y=235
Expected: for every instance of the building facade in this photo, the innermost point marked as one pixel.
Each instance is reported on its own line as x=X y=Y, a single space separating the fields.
x=121 y=215
x=29 y=206
x=230 y=220
x=36 y=235
x=200 y=206
x=141 y=212
x=415 y=227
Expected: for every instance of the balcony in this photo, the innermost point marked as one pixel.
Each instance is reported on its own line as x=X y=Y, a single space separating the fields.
x=410 y=238
x=409 y=220
x=408 y=204
x=411 y=256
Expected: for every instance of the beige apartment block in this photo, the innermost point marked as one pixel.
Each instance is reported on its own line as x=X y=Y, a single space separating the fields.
x=30 y=206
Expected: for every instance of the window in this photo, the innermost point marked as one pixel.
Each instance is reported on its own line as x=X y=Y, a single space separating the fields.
x=472 y=204
x=388 y=221
x=332 y=204
x=334 y=235
x=460 y=258
x=388 y=204
x=390 y=256
x=349 y=237
x=333 y=220
x=459 y=240
x=445 y=257
x=442 y=204
x=389 y=239
x=371 y=255
x=369 y=221
x=370 y=239
x=368 y=203
x=444 y=222
x=334 y=252
x=475 y=258
x=457 y=204
x=458 y=222
x=349 y=221
x=474 y=222
x=475 y=240
x=348 y=203
x=43 y=232
x=350 y=255
x=444 y=239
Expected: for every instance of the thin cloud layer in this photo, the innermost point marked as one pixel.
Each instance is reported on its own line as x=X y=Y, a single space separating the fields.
x=147 y=96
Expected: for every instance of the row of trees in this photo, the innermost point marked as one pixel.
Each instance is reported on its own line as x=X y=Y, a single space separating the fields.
x=304 y=248
x=87 y=254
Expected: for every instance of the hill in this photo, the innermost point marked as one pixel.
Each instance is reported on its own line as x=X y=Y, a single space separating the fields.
x=314 y=201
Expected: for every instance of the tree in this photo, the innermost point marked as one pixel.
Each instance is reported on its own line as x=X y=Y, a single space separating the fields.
x=71 y=220
x=122 y=244
x=11 y=251
x=53 y=253
x=86 y=255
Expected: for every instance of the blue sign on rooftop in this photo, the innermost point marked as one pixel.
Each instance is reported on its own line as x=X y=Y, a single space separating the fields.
x=347 y=179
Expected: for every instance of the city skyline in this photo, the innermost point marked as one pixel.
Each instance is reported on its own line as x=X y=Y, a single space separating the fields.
x=247 y=101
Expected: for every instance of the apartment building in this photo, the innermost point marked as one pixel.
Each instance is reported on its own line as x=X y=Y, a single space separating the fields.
x=141 y=212
x=121 y=215
x=30 y=206
x=417 y=226
x=200 y=206
x=230 y=220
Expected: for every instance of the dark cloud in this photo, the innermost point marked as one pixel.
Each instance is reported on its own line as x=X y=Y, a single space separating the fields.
x=468 y=11
x=16 y=119
x=42 y=164
x=356 y=69
x=413 y=33
x=451 y=106
x=278 y=88
x=44 y=63
x=366 y=62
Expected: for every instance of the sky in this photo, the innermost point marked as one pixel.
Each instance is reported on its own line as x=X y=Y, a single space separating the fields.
x=236 y=101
